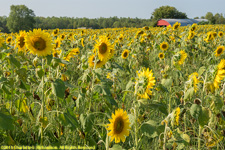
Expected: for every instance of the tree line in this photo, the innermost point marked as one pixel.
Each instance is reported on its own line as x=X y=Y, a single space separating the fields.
x=23 y=18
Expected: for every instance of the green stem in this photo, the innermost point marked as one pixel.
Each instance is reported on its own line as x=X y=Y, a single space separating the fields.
x=43 y=103
x=199 y=139
x=107 y=142
x=164 y=140
x=12 y=89
x=136 y=127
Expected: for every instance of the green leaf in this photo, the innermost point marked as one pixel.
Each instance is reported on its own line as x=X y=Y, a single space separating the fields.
x=189 y=93
x=14 y=61
x=204 y=116
x=58 y=88
x=195 y=111
x=24 y=86
x=49 y=59
x=201 y=70
x=167 y=82
x=116 y=147
x=40 y=72
x=129 y=84
x=22 y=73
x=6 y=121
x=159 y=106
x=69 y=119
x=151 y=129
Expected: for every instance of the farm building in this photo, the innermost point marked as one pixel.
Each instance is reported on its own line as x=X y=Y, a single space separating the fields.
x=183 y=22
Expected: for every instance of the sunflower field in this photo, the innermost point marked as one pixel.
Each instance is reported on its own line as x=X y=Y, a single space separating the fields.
x=114 y=88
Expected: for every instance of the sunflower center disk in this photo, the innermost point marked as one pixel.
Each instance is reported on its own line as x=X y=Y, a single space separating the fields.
x=118 y=125
x=22 y=42
x=164 y=46
x=125 y=54
x=102 y=48
x=219 y=51
x=39 y=43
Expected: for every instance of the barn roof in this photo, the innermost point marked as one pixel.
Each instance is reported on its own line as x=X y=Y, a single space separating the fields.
x=183 y=22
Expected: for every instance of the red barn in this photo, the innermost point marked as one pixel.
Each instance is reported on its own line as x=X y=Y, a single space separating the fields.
x=183 y=22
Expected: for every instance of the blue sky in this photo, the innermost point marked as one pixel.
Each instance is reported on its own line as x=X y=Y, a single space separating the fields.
x=109 y=8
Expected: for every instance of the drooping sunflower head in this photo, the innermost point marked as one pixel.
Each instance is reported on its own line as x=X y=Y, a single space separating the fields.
x=183 y=56
x=209 y=37
x=55 y=32
x=39 y=42
x=75 y=51
x=176 y=25
x=219 y=51
x=56 y=53
x=194 y=80
x=99 y=63
x=20 y=41
x=220 y=34
x=164 y=46
x=125 y=54
x=119 y=126
x=214 y=34
x=103 y=47
x=161 y=56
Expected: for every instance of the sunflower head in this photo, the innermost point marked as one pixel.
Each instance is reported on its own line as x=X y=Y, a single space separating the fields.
x=39 y=42
x=164 y=46
x=20 y=41
x=191 y=35
x=103 y=48
x=125 y=54
x=161 y=56
x=194 y=80
x=147 y=81
x=220 y=34
x=193 y=27
x=57 y=43
x=2 y=40
x=55 y=32
x=119 y=126
x=219 y=51
x=99 y=63
x=9 y=39
x=62 y=36
x=176 y=25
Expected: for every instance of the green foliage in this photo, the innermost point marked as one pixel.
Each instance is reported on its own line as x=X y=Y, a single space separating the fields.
x=168 y=12
x=20 y=18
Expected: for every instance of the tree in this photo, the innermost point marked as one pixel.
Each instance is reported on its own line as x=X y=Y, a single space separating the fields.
x=210 y=17
x=168 y=12
x=20 y=18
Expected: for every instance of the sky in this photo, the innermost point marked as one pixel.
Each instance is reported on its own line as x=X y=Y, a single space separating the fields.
x=110 y=8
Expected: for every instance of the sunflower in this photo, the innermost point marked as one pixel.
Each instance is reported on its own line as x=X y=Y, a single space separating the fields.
x=62 y=36
x=191 y=35
x=220 y=33
x=119 y=126
x=82 y=42
x=194 y=78
x=209 y=37
x=161 y=56
x=164 y=46
x=220 y=73
x=57 y=43
x=149 y=82
x=39 y=42
x=21 y=41
x=75 y=51
x=183 y=56
x=176 y=25
x=125 y=54
x=2 y=40
x=193 y=27
x=103 y=47
x=55 y=32
x=99 y=63
x=219 y=51
x=146 y=28
x=177 y=116
x=9 y=39
x=56 y=53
